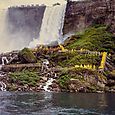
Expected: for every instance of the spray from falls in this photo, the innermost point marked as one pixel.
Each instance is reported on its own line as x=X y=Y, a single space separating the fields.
x=3 y=30
x=10 y=39
x=52 y=25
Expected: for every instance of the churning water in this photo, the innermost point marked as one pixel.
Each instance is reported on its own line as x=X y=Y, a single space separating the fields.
x=47 y=103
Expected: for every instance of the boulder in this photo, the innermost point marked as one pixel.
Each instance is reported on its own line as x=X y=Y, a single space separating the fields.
x=27 y=56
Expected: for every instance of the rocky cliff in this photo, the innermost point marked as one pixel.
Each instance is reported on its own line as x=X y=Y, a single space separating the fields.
x=81 y=14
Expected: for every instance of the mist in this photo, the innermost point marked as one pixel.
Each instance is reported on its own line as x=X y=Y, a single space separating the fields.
x=12 y=38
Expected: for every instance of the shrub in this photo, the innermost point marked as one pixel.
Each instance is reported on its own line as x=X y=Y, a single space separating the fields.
x=25 y=77
x=63 y=81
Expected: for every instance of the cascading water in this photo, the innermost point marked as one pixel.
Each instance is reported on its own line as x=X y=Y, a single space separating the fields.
x=51 y=29
x=2 y=86
x=3 y=30
x=4 y=59
x=2 y=74
x=47 y=84
x=9 y=38
x=52 y=25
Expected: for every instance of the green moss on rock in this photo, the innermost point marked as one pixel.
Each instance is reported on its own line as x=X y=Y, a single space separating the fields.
x=27 y=56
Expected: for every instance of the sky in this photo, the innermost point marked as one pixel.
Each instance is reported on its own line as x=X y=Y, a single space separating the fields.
x=6 y=3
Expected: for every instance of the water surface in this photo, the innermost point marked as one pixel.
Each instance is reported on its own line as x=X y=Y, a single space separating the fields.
x=44 y=103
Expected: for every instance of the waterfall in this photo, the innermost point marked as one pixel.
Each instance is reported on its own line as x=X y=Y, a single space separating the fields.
x=2 y=86
x=52 y=25
x=4 y=59
x=3 y=30
x=9 y=38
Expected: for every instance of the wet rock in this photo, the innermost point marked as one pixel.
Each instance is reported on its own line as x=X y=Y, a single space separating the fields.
x=54 y=85
x=56 y=89
x=101 y=85
x=82 y=14
x=27 y=56
x=110 y=83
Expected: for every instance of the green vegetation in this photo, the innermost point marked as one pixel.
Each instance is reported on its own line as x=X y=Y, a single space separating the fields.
x=82 y=76
x=95 y=39
x=67 y=59
x=113 y=73
x=77 y=68
x=63 y=81
x=25 y=77
x=27 y=56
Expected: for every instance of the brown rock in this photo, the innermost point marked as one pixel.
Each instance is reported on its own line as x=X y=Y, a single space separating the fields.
x=76 y=85
x=54 y=85
x=82 y=14
x=111 y=83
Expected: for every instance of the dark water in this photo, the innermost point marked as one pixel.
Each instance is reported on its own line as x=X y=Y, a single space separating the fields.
x=56 y=104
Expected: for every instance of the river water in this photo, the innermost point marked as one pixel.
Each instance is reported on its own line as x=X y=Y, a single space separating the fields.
x=48 y=103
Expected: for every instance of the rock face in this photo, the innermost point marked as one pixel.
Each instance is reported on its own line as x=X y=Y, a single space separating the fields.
x=82 y=14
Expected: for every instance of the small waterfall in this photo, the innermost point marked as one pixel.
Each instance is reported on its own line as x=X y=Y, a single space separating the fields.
x=47 y=84
x=4 y=60
x=2 y=74
x=52 y=25
x=49 y=75
x=2 y=86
